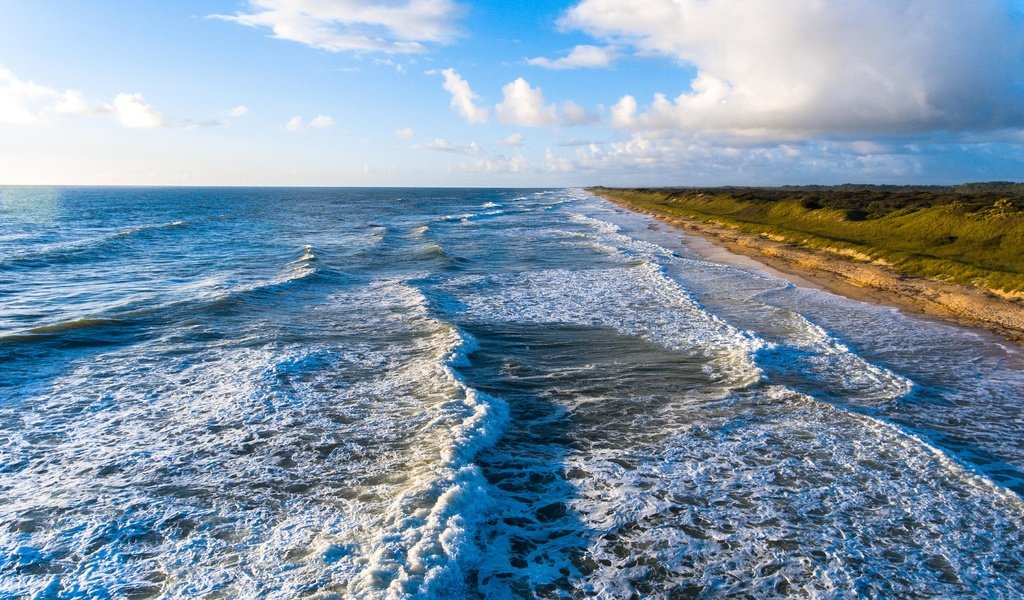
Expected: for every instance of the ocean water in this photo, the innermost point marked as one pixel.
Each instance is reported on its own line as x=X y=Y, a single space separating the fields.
x=415 y=393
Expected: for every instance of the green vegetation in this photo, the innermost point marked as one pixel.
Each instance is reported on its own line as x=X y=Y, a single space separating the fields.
x=971 y=234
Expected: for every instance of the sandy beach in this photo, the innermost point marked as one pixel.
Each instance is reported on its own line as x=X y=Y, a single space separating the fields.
x=866 y=281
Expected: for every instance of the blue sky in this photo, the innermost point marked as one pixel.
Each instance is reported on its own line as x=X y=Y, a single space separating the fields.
x=442 y=92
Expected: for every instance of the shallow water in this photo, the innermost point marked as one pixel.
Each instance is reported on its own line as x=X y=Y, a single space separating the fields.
x=376 y=393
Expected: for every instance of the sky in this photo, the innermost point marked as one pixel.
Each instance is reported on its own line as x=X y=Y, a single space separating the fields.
x=504 y=93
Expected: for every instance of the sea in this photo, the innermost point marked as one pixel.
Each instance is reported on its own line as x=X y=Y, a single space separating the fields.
x=474 y=393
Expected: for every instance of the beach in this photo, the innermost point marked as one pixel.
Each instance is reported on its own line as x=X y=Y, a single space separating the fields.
x=969 y=306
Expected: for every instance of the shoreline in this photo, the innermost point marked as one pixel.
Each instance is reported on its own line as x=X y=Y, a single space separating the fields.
x=866 y=282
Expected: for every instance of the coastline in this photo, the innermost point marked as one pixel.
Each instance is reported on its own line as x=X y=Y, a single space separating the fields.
x=867 y=282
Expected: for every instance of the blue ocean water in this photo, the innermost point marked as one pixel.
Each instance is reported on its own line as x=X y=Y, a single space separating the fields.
x=390 y=393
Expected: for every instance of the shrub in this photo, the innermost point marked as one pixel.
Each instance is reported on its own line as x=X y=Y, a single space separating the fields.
x=856 y=214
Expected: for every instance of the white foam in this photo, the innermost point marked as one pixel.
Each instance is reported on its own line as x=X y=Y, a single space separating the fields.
x=129 y=451
x=428 y=541
x=808 y=352
x=789 y=494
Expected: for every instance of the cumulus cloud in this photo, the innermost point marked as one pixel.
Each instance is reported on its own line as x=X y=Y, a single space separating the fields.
x=321 y=122
x=406 y=133
x=402 y=26
x=463 y=98
x=574 y=114
x=443 y=145
x=792 y=69
x=480 y=160
x=647 y=156
x=624 y=112
x=296 y=124
x=238 y=111
x=22 y=102
x=593 y=57
x=496 y=164
x=131 y=110
x=73 y=102
x=513 y=141
x=29 y=103
x=525 y=105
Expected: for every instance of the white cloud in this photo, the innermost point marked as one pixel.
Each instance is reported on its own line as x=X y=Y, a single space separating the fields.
x=584 y=56
x=480 y=160
x=574 y=142
x=406 y=133
x=22 y=102
x=865 y=147
x=624 y=112
x=657 y=158
x=399 y=67
x=574 y=114
x=400 y=26
x=443 y=145
x=496 y=164
x=238 y=111
x=28 y=103
x=73 y=102
x=296 y=124
x=794 y=69
x=463 y=98
x=132 y=111
x=524 y=105
x=558 y=164
x=513 y=141
x=321 y=122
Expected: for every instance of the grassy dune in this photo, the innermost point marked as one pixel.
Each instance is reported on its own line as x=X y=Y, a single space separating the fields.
x=970 y=234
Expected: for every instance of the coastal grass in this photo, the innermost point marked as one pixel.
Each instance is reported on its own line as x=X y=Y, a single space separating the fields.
x=971 y=234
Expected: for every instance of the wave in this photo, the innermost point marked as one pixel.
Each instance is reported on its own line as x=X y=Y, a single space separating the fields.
x=211 y=292
x=262 y=469
x=456 y=218
x=155 y=227
x=483 y=216
x=800 y=497
x=82 y=328
x=428 y=543
x=611 y=234
x=438 y=254
x=73 y=325
x=434 y=249
x=638 y=300
x=64 y=251
x=302 y=269
x=307 y=254
x=810 y=353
